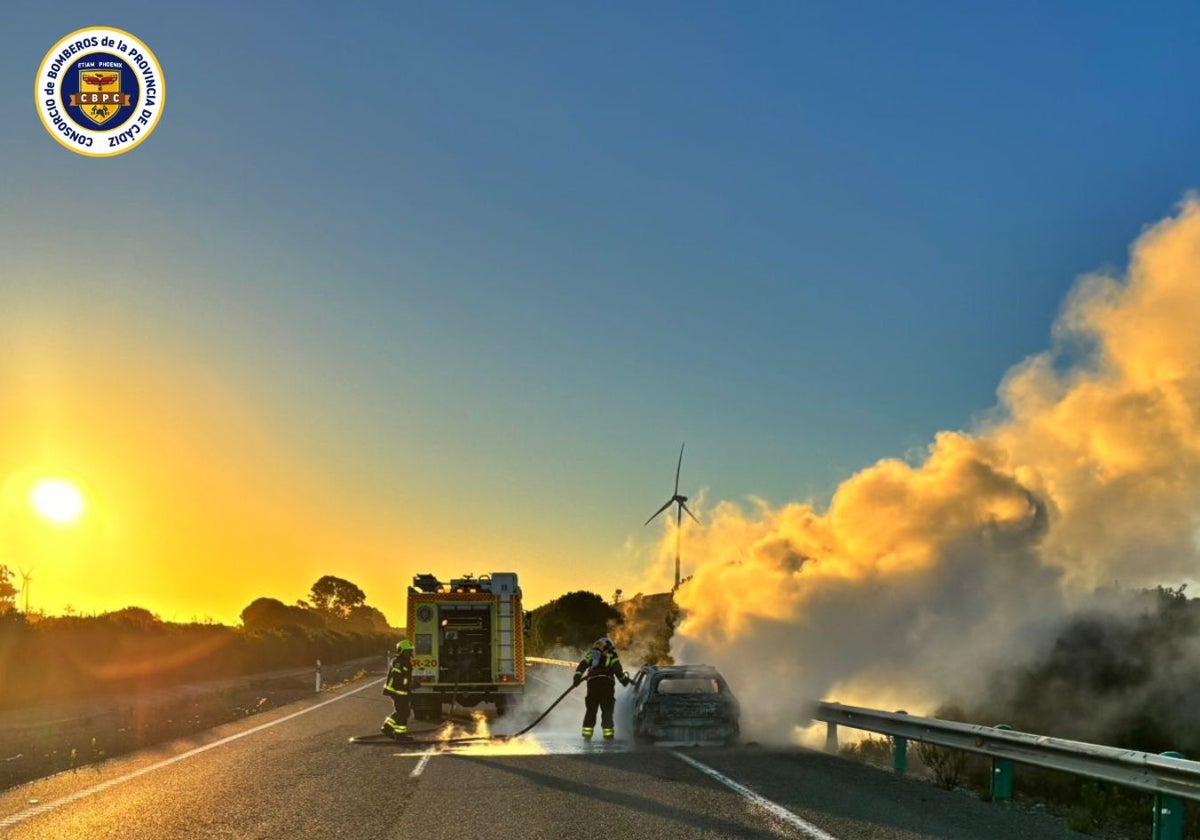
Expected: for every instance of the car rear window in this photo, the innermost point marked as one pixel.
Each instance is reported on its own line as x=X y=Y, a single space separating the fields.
x=688 y=685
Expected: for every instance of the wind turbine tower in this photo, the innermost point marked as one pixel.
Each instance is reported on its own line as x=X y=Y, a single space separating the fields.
x=681 y=508
x=26 y=577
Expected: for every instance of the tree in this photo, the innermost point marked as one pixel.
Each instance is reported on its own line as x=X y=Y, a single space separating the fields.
x=364 y=619
x=8 y=592
x=270 y=614
x=138 y=617
x=335 y=597
x=574 y=620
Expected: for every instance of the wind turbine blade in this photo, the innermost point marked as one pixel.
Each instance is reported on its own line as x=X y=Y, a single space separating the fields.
x=660 y=510
x=679 y=466
x=689 y=513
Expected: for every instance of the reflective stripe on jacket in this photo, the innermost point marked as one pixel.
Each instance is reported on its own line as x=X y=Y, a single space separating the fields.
x=399 y=678
x=599 y=664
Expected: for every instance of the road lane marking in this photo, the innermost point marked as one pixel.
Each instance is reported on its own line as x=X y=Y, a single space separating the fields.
x=9 y=822
x=416 y=771
x=767 y=805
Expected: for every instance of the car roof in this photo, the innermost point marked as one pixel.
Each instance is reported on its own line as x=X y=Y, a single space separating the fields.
x=689 y=670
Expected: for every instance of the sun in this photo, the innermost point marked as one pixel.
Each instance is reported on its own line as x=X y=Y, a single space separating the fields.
x=57 y=500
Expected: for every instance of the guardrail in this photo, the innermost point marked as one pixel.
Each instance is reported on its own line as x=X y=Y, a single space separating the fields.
x=1170 y=777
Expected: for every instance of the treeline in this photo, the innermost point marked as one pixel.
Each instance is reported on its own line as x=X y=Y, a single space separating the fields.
x=641 y=626
x=1124 y=676
x=573 y=621
x=333 y=604
x=1121 y=674
x=68 y=658
x=53 y=658
x=48 y=659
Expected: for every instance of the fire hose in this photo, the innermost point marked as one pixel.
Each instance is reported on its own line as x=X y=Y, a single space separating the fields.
x=375 y=738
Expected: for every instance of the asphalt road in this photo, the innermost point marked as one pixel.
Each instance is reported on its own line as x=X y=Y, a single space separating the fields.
x=292 y=773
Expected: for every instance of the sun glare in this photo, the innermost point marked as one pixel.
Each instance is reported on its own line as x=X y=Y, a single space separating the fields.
x=57 y=501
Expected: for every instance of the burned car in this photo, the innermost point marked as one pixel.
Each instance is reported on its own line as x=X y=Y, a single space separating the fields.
x=683 y=703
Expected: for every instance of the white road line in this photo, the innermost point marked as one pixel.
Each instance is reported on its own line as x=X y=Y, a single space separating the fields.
x=762 y=802
x=9 y=822
x=416 y=771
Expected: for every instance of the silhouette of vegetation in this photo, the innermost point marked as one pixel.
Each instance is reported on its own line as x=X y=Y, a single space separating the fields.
x=364 y=619
x=335 y=597
x=947 y=767
x=574 y=620
x=271 y=614
x=45 y=659
x=135 y=618
x=872 y=749
x=8 y=592
x=1121 y=676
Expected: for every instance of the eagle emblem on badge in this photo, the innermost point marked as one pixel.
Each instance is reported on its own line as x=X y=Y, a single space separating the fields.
x=100 y=97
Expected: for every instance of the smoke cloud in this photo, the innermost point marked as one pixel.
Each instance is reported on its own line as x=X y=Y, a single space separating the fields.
x=918 y=580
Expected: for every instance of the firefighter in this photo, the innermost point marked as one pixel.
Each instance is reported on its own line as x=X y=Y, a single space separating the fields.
x=398 y=684
x=601 y=668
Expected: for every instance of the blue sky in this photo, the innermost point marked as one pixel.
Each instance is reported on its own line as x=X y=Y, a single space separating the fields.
x=480 y=269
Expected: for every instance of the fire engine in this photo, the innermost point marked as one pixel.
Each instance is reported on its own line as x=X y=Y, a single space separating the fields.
x=467 y=642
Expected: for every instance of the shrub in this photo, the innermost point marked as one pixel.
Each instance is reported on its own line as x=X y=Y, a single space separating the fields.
x=946 y=766
x=871 y=750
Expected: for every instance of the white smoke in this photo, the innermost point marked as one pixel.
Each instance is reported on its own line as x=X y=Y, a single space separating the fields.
x=916 y=580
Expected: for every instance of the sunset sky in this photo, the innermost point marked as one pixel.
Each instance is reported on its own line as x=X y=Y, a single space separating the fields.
x=442 y=287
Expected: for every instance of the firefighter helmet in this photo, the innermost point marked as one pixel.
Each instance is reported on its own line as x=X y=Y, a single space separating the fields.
x=403 y=645
x=605 y=644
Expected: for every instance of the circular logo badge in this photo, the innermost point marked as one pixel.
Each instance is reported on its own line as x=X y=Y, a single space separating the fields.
x=99 y=91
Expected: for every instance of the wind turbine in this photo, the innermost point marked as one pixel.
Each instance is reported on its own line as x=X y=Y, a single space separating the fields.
x=26 y=577
x=681 y=501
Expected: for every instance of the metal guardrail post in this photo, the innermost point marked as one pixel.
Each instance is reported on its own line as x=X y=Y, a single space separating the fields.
x=1002 y=774
x=1168 y=812
x=831 y=742
x=900 y=750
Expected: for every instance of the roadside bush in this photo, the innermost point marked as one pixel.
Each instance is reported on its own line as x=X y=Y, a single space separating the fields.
x=1099 y=805
x=870 y=750
x=75 y=657
x=947 y=767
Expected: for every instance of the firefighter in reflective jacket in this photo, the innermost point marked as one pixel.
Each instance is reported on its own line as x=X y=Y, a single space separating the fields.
x=398 y=684
x=601 y=668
